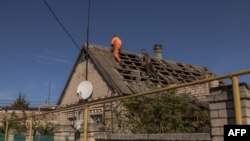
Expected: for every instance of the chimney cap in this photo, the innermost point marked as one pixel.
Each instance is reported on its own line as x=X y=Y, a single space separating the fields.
x=157 y=47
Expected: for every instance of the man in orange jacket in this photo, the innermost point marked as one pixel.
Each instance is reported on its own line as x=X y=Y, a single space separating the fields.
x=116 y=43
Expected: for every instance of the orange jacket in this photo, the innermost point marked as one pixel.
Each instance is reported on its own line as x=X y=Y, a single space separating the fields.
x=116 y=42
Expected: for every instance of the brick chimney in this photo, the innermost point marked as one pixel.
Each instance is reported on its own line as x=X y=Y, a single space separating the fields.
x=158 y=51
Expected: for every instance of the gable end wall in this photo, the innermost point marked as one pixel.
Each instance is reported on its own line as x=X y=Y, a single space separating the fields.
x=100 y=88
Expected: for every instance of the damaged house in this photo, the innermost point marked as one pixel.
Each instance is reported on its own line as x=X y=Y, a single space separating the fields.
x=111 y=79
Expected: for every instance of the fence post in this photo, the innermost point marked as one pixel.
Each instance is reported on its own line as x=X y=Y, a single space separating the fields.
x=85 y=121
x=6 y=131
x=31 y=126
x=237 y=103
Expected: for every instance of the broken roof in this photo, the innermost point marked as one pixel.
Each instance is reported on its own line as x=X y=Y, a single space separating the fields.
x=130 y=77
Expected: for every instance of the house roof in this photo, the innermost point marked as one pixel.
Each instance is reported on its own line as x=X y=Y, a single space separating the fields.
x=130 y=77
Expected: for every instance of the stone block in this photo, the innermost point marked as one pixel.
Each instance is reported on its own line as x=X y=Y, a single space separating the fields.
x=185 y=137
x=180 y=138
x=216 y=98
x=192 y=137
x=218 y=138
x=245 y=103
x=222 y=131
x=207 y=137
x=115 y=136
x=218 y=122
x=208 y=98
x=244 y=94
x=129 y=137
x=223 y=113
x=215 y=92
x=160 y=137
x=216 y=131
x=223 y=97
x=202 y=136
x=217 y=106
x=246 y=120
x=141 y=136
x=245 y=112
x=214 y=114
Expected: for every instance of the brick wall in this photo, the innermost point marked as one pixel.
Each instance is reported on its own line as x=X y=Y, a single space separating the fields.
x=200 y=91
x=154 y=137
x=100 y=88
x=222 y=108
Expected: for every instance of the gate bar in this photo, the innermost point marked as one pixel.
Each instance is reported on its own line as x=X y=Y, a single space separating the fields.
x=85 y=128
x=237 y=103
x=6 y=131
x=31 y=126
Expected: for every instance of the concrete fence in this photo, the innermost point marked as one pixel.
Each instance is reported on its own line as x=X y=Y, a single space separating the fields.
x=221 y=108
x=153 y=137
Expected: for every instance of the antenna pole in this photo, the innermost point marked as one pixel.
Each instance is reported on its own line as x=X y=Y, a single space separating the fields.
x=87 y=50
x=49 y=95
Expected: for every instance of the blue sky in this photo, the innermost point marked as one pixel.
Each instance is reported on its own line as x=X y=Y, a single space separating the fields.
x=34 y=50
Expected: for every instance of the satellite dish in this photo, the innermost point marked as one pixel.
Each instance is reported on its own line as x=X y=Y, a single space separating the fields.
x=84 y=90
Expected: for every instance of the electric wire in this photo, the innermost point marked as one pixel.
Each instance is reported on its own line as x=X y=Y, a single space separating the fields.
x=61 y=24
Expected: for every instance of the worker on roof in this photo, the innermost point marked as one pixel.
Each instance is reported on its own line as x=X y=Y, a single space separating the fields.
x=116 y=44
x=147 y=64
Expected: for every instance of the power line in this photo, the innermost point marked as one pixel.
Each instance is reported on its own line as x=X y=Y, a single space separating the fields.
x=61 y=24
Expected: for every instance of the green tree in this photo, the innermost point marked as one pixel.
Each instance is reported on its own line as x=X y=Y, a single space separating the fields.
x=43 y=126
x=165 y=113
x=14 y=120
x=20 y=102
x=14 y=123
x=46 y=129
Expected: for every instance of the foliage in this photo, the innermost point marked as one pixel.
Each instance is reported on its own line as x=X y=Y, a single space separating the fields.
x=1 y=129
x=14 y=123
x=43 y=126
x=20 y=102
x=165 y=113
x=46 y=129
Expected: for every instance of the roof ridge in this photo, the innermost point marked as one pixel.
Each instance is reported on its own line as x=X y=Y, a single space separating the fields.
x=107 y=47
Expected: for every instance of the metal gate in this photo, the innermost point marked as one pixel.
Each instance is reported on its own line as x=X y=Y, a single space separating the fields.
x=43 y=138
x=1 y=137
x=19 y=137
